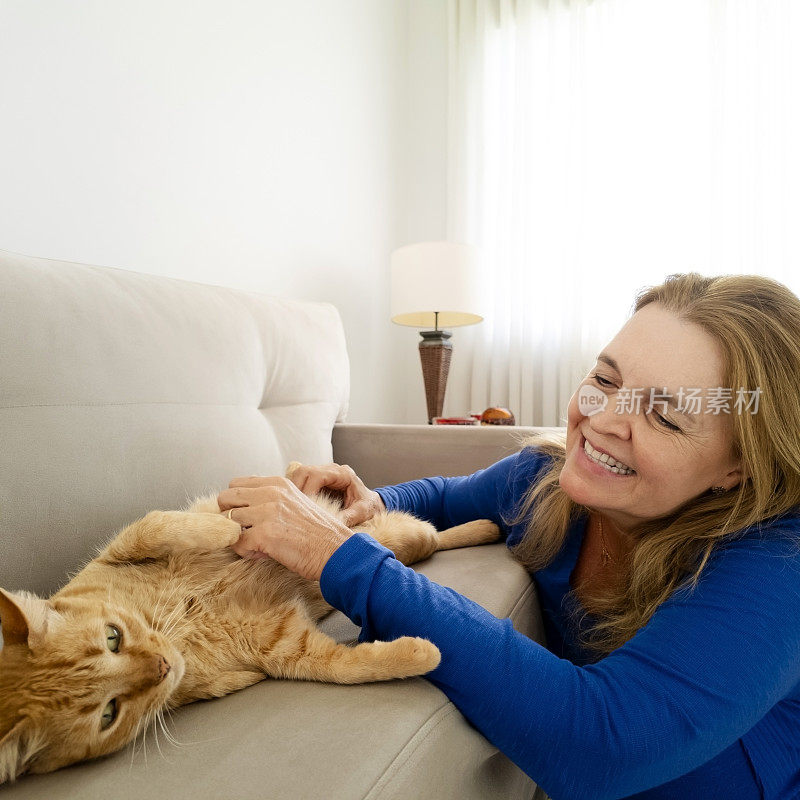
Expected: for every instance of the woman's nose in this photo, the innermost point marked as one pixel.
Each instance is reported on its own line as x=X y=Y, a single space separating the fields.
x=612 y=420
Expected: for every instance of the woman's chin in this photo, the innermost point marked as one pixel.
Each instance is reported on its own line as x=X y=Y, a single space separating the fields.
x=584 y=488
x=574 y=486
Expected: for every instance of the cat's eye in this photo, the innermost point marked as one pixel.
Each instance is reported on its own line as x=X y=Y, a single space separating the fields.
x=109 y=714
x=113 y=638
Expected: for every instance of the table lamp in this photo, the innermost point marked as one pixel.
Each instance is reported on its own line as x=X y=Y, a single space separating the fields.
x=435 y=284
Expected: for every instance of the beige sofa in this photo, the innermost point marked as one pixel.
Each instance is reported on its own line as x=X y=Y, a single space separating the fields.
x=123 y=392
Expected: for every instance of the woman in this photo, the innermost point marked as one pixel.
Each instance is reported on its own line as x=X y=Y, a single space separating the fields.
x=665 y=541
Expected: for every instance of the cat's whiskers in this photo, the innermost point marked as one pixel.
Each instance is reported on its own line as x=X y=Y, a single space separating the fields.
x=178 y=623
x=155 y=735
x=179 y=607
x=174 y=588
x=133 y=741
x=163 y=625
x=169 y=711
x=167 y=602
x=163 y=723
x=178 y=614
x=176 y=635
x=157 y=607
x=144 y=738
x=170 y=627
x=149 y=725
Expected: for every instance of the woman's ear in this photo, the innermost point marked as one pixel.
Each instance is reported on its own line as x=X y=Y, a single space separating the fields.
x=25 y=618
x=734 y=477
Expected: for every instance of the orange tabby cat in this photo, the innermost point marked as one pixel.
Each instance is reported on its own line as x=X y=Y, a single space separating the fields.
x=167 y=614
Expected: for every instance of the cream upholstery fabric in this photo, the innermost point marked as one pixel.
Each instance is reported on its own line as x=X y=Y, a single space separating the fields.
x=389 y=454
x=120 y=393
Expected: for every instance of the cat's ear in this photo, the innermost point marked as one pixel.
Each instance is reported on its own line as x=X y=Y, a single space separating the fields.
x=17 y=749
x=25 y=618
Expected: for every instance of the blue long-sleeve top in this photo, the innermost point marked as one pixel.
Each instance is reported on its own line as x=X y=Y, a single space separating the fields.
x=702 y=702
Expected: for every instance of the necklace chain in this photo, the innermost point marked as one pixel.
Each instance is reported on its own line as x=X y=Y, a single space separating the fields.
x=607 y=559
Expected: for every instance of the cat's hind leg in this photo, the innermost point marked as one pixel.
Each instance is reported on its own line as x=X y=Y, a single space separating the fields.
x=289 y=645
x=409 y=538
x=412 y=539
x=479 y=531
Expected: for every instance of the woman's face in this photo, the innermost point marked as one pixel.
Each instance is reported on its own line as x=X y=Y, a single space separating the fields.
x=667 y=457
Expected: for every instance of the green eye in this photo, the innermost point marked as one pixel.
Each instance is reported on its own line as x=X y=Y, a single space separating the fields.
x=113 y=638
x=109 y=714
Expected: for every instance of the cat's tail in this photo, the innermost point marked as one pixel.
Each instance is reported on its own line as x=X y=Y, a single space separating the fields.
x=479 y=531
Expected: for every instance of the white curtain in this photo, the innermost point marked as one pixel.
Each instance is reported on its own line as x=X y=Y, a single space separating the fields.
x=595 y=147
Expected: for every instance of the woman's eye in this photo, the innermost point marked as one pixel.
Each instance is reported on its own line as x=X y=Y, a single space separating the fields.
x=665 y=423
x=602 y=381
x=109 y=714
x=113 y=638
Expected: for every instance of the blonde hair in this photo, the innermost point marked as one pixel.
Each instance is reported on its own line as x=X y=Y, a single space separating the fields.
x=756 y=323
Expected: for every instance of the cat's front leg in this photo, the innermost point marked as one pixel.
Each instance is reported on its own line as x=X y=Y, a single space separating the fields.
x=162 y=533
x=216 y=685
x=287 y=644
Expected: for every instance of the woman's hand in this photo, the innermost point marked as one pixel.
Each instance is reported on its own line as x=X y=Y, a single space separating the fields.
x=359 y=504
x=279 y=521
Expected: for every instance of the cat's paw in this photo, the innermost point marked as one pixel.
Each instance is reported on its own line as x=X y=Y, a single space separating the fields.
x=222 y=532
x=207 y=504
x=412 y=655
x=292 y=468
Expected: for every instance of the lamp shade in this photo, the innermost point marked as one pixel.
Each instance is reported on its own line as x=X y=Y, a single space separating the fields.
x=432 y=277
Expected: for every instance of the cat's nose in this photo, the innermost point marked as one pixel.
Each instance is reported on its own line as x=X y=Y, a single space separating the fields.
x=163 y=668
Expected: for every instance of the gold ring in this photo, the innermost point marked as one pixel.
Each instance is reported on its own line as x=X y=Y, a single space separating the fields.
x=228 y=515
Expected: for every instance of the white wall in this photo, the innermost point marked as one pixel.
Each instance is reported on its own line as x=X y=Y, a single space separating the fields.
x=424 y=178
x=261 y=144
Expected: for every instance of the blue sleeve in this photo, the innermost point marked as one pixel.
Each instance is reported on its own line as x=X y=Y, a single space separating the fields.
x=708 y=665
x=490 y=493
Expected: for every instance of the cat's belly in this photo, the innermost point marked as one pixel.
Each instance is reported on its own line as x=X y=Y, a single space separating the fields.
x=223 y=581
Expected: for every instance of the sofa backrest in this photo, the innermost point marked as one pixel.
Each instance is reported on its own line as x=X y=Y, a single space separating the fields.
x=121 y=393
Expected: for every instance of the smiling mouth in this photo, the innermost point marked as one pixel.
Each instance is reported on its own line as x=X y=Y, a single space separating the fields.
x=606 y=461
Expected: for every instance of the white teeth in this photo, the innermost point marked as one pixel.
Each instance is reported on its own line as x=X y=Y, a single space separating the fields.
x=607 y=461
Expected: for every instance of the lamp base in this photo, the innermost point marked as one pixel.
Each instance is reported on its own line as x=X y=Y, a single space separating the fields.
x=435 y=352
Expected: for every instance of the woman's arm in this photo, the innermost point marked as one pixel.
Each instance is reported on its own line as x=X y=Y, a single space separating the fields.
x=696 y=678
x=278 y=519
x=490 y=493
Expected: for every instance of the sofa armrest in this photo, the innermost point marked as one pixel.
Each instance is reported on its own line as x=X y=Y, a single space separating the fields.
x=382 y=455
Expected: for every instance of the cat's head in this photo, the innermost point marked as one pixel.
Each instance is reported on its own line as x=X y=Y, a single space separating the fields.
x=77 y=677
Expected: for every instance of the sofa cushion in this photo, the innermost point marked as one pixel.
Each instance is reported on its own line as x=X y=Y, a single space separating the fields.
x=123 y=392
